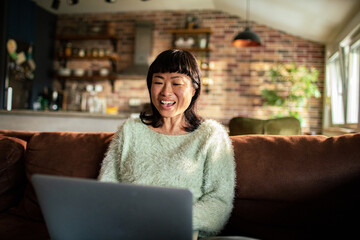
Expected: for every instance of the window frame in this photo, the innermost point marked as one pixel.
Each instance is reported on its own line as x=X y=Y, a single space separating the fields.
x=344 y=56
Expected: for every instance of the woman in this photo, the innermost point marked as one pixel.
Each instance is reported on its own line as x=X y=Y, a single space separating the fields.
x=172 y=146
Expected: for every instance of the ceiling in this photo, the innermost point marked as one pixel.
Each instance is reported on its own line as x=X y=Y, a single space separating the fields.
x=316 y=20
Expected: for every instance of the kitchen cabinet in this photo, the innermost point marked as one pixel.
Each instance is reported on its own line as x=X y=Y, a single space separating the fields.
x=66 y=53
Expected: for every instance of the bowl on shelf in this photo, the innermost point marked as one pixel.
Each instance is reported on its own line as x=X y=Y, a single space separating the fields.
x=64 y=72
x=79 y=72
x=104 y=72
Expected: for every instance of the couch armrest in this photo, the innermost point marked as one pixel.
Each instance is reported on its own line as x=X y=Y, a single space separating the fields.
x=12 y=171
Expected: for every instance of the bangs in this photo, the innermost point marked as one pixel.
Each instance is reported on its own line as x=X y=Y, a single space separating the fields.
x=178 y=62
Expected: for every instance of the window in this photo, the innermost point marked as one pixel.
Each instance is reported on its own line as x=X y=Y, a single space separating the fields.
x=336 y=91
x=343 y=92
x=352 y=114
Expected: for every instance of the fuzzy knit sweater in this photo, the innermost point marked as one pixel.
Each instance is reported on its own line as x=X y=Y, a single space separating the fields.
x=201 y=161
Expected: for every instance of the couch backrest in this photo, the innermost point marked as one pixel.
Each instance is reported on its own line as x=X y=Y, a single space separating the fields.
x=59 y=153
x=291 y=186
x=23 y=135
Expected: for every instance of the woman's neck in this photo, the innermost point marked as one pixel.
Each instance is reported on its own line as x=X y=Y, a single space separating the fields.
x=172 y=126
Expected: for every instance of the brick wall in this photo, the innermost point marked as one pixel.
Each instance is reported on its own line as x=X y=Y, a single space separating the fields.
x=238 y=75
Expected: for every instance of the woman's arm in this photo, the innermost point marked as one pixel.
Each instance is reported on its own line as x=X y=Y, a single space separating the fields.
x=110 y=166
x=212 y=210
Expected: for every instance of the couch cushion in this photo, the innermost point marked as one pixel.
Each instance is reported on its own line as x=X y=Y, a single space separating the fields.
x=16 y=227
x=12 y=171
x=295 y=184
x=63 y=154
x=294 y=167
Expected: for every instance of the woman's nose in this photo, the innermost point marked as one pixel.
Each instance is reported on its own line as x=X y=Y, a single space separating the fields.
x=167 y=89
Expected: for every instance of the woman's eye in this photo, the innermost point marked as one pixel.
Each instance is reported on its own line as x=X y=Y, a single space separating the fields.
x=157 y=83
x=177 y=84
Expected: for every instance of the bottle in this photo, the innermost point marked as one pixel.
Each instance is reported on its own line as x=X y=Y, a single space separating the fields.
x=45 y=99
x=68 y=50
x=54 y=106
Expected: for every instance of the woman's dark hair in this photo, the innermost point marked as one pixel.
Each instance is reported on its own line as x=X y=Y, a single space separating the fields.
x=175 y=61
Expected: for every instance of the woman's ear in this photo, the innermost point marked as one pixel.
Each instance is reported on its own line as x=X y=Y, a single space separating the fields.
x=194 y=91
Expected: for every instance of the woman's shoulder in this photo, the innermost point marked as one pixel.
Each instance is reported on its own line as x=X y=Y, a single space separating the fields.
x=130 y=124
x=211 y=126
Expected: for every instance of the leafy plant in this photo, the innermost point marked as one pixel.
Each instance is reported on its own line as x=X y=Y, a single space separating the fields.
x=293 y=86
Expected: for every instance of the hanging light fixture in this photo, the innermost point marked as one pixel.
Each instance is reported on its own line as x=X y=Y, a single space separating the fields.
x=247 y=38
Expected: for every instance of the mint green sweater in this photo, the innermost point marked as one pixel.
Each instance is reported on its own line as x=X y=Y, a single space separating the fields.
x=201 y=161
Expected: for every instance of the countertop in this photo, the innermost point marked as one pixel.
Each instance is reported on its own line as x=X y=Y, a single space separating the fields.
x=61 y=121
x=68 y=114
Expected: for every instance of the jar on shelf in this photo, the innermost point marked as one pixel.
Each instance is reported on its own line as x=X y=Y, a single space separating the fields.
x=95 y=52
x=75 y=52
x=68 y=49
x=101 y=52
x=111 y=28
x=202 y=43
x=81 y=52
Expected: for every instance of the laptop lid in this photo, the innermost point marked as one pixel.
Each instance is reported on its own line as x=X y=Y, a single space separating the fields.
x=76 y=208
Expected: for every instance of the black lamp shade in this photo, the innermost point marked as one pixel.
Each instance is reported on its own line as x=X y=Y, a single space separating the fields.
x=247 y=38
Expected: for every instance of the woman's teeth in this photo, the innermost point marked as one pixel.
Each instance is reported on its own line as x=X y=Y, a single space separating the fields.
x=168 y=103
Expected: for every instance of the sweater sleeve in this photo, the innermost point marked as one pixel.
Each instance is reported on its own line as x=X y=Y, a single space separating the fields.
x=110 y=166
x=212 y=210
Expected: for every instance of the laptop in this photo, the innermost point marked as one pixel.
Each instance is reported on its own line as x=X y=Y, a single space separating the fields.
x=76 y=208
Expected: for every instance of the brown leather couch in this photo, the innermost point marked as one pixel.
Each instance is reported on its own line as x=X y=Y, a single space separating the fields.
x=288 y=187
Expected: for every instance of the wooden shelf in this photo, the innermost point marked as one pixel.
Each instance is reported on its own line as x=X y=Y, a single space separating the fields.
x=86 y=58
x=191 y=31
x=195 y=49
x=194 y=32
x=86 y=37
x=112 y=76
x=113 y=58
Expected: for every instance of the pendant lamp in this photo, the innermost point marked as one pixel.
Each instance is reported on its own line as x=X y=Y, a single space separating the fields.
x=247 y=38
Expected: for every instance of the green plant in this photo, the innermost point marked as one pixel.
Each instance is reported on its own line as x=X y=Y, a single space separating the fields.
x=293 y=86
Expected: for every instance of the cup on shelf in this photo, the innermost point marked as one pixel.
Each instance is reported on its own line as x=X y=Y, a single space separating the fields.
x=64 y=72
x=79 y=72
x=104 y=72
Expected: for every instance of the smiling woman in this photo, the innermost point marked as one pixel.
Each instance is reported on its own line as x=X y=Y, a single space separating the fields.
x=174 y=86
x=171 y=146
x=171 y=94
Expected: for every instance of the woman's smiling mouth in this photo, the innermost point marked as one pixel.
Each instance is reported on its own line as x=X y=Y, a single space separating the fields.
x=167 y=104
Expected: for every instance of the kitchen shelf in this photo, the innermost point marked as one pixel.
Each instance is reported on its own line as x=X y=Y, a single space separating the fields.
x=200 y=47
x=86 y=77
x=111 y=77
x=113 y=58
x=195 y=33
x=191 y=31
x=193 y=49
x=86 y=37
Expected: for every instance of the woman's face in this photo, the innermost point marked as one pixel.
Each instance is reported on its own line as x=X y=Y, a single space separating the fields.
x=171 y=93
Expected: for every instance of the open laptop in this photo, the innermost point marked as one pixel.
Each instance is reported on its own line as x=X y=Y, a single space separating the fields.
x=77 y=208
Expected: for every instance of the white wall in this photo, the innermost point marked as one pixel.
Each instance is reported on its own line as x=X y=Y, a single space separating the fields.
x=350 y=30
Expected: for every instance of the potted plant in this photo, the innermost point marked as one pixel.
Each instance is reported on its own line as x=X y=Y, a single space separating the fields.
x=293 y=86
